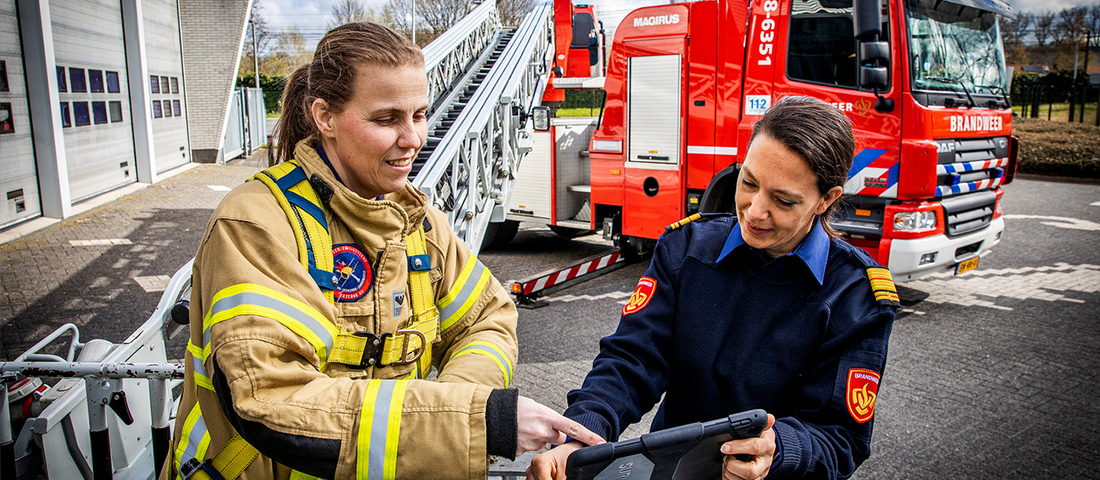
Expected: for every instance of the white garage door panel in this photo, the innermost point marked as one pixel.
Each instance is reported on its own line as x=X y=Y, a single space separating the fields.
x=17 y=168
x=88 y=34
x=165 y=58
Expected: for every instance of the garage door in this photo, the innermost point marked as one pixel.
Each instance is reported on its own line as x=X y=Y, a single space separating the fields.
x=164 y=59
x=91 y=71
x=18 y=180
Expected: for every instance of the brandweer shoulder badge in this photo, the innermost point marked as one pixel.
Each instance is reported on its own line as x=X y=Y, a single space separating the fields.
x=640 y=298
x=861 y=393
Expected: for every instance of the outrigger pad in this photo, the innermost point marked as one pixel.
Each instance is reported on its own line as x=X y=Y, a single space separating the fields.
x=687 y=452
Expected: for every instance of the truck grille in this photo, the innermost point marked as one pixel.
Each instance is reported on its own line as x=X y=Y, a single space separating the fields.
x=968 y=213
x=970 y=164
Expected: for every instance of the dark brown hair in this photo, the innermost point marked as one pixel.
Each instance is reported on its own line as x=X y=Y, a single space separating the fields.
x=331 y=76
x=817 y=132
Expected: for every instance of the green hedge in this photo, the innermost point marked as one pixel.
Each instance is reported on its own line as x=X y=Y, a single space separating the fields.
x=1058 y=148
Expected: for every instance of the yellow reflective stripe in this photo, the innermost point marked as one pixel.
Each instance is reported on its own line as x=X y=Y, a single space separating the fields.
x=464 y=293
x=198 y=366
x=194 y=440
x=380 y=430
x=252 y=299
x=493 y=352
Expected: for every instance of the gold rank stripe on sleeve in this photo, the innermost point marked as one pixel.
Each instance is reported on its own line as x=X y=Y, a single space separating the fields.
x=882 y=284
x=491 y=351
x=683 y=222
x=464 y=293
x=380 y=430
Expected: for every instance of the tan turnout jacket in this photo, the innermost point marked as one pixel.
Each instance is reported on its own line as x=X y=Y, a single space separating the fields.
x=309 y=415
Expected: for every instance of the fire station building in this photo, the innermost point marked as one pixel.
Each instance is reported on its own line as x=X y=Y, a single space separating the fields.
x=96 y=95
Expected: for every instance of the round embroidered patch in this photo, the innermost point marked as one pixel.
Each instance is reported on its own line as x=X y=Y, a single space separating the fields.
x=640 y=298
x=353 y=273
x=862 y=392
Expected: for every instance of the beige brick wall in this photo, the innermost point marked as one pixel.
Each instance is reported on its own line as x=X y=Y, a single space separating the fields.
x=212 y=32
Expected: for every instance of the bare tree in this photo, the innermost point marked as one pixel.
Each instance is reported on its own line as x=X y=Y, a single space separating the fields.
x=512 y=11
x=259 y=29
x=433 y=17
x=1069 y=34
x=348 y=11
x=1044 y=28
x=1013 y=32
x=289 y=53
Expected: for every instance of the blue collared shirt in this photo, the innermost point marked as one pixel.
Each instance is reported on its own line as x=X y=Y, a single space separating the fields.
x=813 y=250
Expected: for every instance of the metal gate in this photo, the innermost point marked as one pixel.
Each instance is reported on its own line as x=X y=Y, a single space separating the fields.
x=246 y=129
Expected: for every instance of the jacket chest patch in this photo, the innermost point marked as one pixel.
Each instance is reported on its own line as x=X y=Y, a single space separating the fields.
x=354 y=276
x=861 y=394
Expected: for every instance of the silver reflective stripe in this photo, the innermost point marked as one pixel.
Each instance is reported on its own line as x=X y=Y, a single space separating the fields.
x=445 y=313
x=494 y=353
x=193 y=440
x=380 y=425
x=199 y=368
x=250 y=298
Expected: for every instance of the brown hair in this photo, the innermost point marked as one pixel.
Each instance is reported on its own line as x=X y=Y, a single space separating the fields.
x=817 y=132
x=331 y=76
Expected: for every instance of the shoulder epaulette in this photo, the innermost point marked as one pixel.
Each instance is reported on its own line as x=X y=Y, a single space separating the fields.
x=882 y=284
x=695 y=217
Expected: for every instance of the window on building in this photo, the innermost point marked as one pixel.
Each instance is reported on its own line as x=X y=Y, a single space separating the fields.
x=4 y=76
x=81 y=116
x=66 y=118
x=95 y=81
x=116 y=111
x=62 y=81
x=99 y=112
x=112 y=82
x=176 y=110
x=164 y=88
x=175 y=85
x=157 y=112
x=76 y=80
x=154 y=84
x=167 y=108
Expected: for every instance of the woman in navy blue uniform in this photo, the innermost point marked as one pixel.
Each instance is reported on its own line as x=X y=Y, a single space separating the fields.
x=763 y=308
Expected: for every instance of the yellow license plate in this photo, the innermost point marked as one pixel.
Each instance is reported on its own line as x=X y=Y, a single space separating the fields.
x=967 y=266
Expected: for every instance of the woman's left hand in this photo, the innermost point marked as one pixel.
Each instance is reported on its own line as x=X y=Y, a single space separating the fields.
x=754 y=456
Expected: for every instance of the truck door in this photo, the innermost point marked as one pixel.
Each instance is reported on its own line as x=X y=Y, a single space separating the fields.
x=652 y=197
x=819 y=58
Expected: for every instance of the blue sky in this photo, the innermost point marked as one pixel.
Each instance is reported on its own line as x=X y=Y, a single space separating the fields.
x=311 y=16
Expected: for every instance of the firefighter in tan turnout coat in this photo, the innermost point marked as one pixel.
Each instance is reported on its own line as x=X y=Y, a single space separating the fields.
x=325 y=290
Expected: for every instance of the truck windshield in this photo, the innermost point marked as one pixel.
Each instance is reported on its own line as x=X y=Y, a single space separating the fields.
x=955 y=49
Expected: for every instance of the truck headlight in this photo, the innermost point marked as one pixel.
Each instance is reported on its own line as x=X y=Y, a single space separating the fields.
x=915 y=221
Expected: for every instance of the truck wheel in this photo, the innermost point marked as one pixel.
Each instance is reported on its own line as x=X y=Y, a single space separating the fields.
x=568 y=232
x=719 y=196
x=498 y=235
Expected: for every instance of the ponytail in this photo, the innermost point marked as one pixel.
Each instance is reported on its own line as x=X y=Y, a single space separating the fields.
x=296 y=122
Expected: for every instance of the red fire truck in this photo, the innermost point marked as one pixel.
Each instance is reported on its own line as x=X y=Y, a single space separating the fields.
x=923 y=82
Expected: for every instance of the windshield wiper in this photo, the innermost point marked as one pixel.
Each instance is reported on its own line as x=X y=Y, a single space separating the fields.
x=994 y=88
x=969 y=98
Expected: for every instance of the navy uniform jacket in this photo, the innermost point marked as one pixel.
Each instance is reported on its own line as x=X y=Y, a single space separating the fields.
x=718 y=328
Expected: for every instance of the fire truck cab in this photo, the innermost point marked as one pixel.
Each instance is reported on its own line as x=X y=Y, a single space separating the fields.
x=922 y=81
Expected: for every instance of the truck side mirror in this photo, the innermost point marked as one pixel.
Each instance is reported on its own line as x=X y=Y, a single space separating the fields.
x=870 y=52
x=540 y=118
x=873 y=77
x=867 y=17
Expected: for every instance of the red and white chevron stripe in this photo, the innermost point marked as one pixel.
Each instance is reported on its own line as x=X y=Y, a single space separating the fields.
x=561 y=276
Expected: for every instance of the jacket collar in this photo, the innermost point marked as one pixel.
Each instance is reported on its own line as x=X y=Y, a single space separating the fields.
x=813 y=251
x=405 y=208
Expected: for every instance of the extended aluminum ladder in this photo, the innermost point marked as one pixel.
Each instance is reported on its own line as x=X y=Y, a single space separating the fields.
x=483 y=81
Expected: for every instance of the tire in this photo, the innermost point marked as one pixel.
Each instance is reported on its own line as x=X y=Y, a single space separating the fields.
x=499 y=235
x=568 y=232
